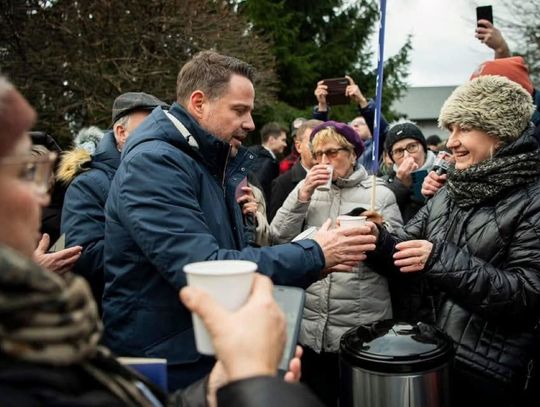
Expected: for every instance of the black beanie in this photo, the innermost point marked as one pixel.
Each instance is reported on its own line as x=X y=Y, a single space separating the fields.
x=402 y=131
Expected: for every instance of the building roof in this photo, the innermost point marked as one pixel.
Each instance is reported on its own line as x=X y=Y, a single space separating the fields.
x=423 y=102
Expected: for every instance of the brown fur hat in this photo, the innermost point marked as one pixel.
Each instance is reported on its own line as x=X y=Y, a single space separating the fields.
x=493 y=104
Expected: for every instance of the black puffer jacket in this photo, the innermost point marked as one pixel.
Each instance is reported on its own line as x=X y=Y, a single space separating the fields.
x=484 y=270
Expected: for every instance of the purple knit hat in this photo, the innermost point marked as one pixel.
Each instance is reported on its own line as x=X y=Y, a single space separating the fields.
x=346 y=131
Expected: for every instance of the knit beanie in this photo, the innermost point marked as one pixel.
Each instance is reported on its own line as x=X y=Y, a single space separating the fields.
x=403 y=130
x=513 y=68
x=16 y=116
x=493 y=104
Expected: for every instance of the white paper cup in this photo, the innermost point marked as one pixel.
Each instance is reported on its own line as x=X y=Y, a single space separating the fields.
x=228 y=282
x=347 y=222
x=327 y=186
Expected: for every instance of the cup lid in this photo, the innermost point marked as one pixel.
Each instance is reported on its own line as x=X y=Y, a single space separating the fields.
x=396 y=347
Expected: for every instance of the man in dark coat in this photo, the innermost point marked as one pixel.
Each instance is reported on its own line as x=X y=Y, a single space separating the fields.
x=285 y=183
x=173 y=202
x=266 y=166
x=83 y=213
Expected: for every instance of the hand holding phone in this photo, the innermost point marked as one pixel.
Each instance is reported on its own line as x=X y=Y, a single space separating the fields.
x=484 y=13
x=336 y=91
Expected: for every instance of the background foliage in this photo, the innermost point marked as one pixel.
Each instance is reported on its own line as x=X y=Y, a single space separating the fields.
x=72 y=58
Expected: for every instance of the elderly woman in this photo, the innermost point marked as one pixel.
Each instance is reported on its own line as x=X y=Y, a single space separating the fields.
x=338 y=301
x=475 y=246
x=49 y=325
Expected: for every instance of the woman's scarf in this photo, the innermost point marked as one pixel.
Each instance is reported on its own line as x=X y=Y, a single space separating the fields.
x=53 y=320
x=491 y=178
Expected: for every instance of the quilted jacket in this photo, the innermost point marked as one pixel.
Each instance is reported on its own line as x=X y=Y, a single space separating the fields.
x=484 y=272
x=339 y=301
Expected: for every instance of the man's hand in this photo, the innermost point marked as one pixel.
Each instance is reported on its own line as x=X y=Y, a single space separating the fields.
x=404 y=170
x=412 y=255
x=218 y=376
x=493 y=38
x=318 y=175
x=248 y=202
x=345 y=246
x=59 y=262
x=353 y=91
x=243 y=352
x=321 y=91
x=432 y=183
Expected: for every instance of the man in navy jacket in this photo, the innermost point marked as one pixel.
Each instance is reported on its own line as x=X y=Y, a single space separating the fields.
x=172 y=202
x=83 y=213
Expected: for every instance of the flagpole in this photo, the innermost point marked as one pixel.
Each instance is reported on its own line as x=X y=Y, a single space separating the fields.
x=378 y=103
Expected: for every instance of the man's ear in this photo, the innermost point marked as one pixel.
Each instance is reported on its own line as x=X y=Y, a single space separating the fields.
x=196 y=104
x=120 y=134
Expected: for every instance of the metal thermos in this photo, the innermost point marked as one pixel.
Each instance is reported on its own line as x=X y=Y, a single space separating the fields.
x=392 y=364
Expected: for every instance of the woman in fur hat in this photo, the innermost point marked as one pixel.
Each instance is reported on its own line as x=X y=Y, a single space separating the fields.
x=475 y=248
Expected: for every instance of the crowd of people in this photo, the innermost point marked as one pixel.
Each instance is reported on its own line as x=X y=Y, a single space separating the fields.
x=169 y=185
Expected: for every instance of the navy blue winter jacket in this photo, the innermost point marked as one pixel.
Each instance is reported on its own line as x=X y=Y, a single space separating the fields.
x=171 y=204
x=83 y=214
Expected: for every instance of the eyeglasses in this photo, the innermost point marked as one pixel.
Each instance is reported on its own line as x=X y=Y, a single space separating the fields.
x=410 y=148
x=34 y=170
x=330 y=153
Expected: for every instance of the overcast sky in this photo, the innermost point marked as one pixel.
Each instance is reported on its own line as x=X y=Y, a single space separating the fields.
x=445 y=51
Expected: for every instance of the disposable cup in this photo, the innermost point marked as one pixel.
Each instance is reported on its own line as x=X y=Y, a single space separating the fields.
x=228 y=282
x=347 y=222
x=328 y=185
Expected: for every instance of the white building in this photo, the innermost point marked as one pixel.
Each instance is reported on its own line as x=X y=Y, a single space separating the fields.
x=422 y=105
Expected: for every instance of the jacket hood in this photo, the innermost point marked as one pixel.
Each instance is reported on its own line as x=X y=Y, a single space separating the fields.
x=207 y=148
x=78 y=160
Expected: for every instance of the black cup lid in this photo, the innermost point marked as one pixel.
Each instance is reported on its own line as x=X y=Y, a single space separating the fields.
x=396 y=347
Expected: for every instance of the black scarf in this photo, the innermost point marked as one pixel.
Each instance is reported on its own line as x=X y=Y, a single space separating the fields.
x=514 y=165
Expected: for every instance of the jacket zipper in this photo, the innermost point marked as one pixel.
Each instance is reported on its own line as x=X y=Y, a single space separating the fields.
x=530 y=367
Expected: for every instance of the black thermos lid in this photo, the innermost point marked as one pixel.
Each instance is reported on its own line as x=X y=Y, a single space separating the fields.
x=396 y=347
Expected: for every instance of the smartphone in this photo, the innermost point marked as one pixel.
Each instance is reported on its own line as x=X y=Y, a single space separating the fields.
x=336 y=91
x=484 y=13
x=238 y=191
x=60 y=244
x=291 y=302
x=418 y=179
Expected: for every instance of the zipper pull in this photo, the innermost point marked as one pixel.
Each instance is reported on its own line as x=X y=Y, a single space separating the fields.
x=530 y=367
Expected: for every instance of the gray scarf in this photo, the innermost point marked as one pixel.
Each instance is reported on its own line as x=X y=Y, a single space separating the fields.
x=491 y=178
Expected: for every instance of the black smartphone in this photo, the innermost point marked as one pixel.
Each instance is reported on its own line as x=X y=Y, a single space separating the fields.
x=484 y=13
x=336 y=91
x=291 y=302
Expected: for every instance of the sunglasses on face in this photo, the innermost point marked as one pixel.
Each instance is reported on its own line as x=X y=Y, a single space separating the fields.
x=410 y=148
x=330 y=153
x=34 y=170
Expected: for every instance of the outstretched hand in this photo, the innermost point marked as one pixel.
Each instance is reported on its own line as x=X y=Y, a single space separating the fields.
x=59 y=262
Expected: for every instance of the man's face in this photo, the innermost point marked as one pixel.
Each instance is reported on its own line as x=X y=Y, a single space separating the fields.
x=228 y=117
x=360 y=126
x=278 y=144
x=304 y=149
x=122 y=132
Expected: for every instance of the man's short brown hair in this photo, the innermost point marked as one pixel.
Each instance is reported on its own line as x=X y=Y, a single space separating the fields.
x=209 y=72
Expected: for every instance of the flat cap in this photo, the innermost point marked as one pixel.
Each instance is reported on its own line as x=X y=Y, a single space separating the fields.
x=132 y=101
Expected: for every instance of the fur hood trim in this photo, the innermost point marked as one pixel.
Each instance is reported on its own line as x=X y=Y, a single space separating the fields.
x=73 y=163
x=491 y=103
